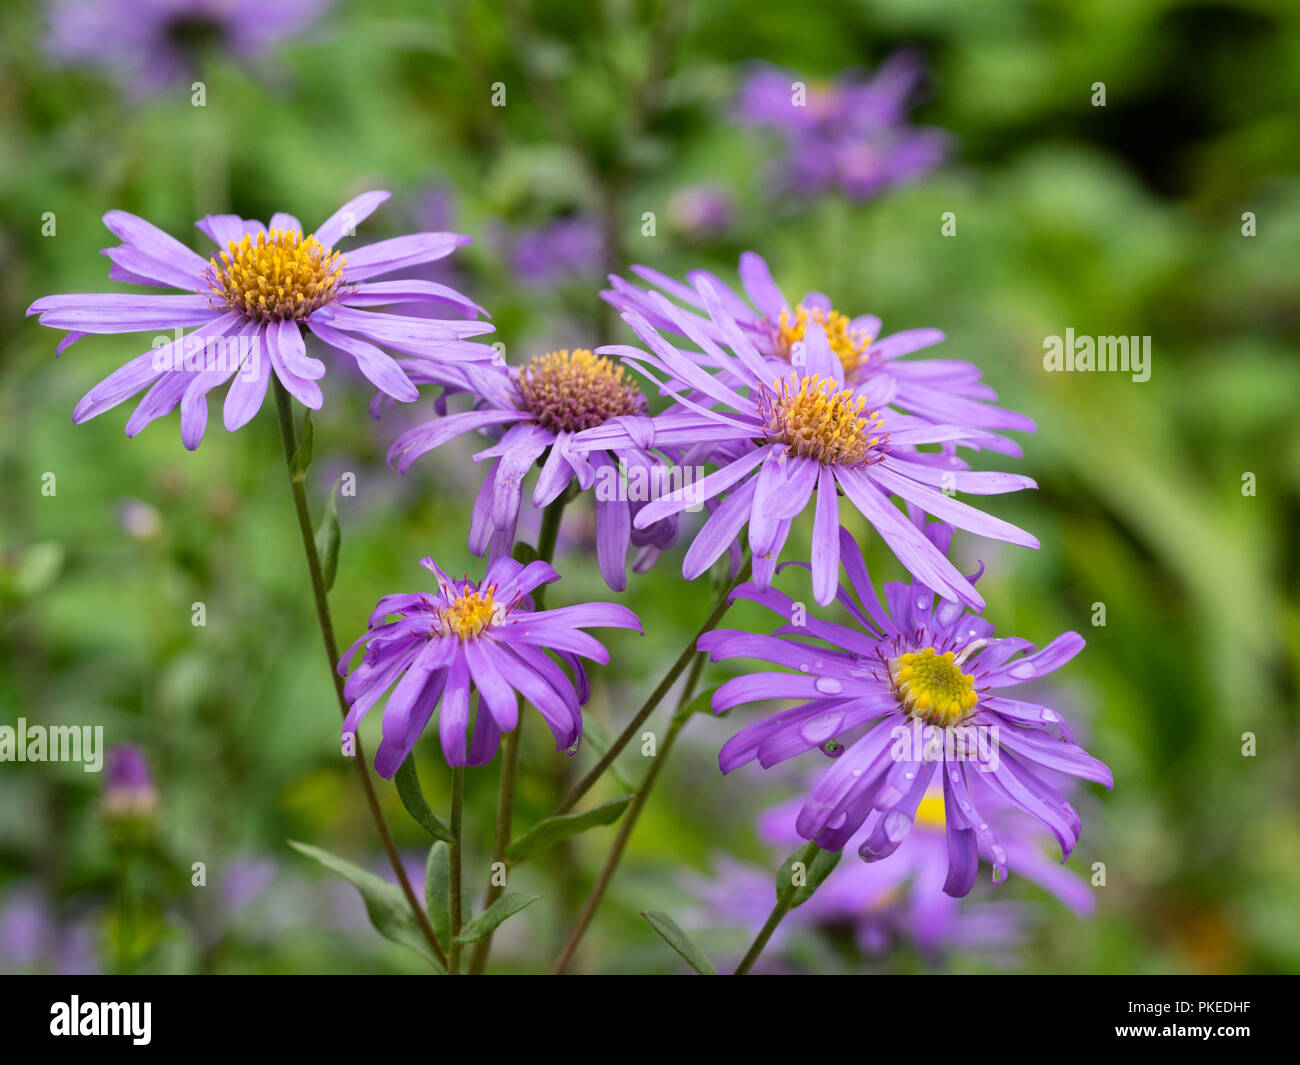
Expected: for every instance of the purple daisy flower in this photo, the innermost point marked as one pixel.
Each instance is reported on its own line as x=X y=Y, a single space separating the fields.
x=152 y=44
x=549 y=408
x=249 y=308
x=925 y=680
x=483 y=636
x=942 y=391
x=789 y=433
x=851 y=134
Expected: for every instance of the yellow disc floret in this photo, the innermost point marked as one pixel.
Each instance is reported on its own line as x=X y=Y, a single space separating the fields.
x=819 y=419
x=468 y=614
x=276 y=275
x=930 y=811
x=933 y=687
x=569 y=391
x=849 y=344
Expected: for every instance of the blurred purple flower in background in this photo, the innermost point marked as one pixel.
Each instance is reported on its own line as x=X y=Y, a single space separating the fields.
x=850 y=135
x=34 y=939
x=129 y=789
x=153 y=44
x=555 y=252
x=701 y=211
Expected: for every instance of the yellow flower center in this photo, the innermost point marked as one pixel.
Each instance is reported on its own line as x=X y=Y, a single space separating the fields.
x=569 y=391
x=818 y=419
x=932 y=687
x=468 y=614
x=276 y=275
x=929 y=812
x=849 y=344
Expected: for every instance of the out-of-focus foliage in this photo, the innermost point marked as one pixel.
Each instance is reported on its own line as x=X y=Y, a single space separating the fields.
x=1125 y=219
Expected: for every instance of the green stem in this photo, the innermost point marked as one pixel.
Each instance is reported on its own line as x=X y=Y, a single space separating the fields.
x=546 y=541
x=783 y=905
x=289 y=438
x=628 y=824
x=453 y=894
x=656 y=697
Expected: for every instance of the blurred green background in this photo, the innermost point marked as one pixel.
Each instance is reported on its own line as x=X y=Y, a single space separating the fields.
x=1125 y=219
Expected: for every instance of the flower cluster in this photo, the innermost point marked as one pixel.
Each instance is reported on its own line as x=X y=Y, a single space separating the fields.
x=935 y=754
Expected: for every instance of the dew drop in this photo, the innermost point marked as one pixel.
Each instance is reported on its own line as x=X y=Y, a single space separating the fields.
x=828 y=685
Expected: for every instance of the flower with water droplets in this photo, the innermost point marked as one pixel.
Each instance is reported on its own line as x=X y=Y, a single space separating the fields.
x=785 y=437
x=546 y=411
x=920 y=691
x=941 y=391
x=249 y=307
x=483 y=637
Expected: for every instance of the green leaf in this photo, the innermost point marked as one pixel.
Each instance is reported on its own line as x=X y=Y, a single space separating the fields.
x=680 y=942
x=595 y=737
x=437 y=890
x=553 y=830
x=813 y=875
x=302 y=456
x=408 y=790
x=701 y=704
x=328 y=539
x=486 y=922
x=385 y=903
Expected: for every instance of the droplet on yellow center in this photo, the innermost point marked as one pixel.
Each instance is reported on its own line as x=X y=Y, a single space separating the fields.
x=276 y=275
x=569 y=391
x=819 y=419
x=848 y=344
x=469 y=614
x=933 y=687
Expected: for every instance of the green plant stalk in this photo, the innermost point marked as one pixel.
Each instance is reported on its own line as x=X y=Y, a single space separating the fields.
x=783 y=905
x=288 y=437
x=656 y=697
x=628 y=823
x=453 y=893
x=546 y=541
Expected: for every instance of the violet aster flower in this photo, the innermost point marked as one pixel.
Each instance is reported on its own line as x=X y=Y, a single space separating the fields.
x=851 y=134
x=152 y=44
x=483 y=636
x=943 y=391
x=548 y=408
x=790 y=434
x=928 y=683
x=249 y=309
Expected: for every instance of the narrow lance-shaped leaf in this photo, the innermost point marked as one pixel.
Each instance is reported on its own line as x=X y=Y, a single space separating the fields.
x=680 y=942
x=437 y=890
x=408 y=790
x=553 y=830
x=385 y=903
x=302 y=456
x=809 y=877
x=595 y=737
x=701 y=704
x=487 y=921
x=328 y=539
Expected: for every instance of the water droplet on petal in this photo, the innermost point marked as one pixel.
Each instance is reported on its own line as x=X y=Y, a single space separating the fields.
x=828 y=685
